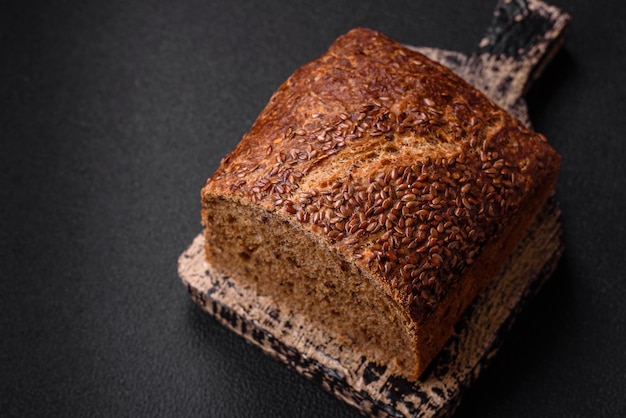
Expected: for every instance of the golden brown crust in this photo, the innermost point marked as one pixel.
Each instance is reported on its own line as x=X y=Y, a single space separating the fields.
x=400 y=166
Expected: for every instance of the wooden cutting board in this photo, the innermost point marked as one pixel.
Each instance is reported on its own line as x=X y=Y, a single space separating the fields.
x=522 y=38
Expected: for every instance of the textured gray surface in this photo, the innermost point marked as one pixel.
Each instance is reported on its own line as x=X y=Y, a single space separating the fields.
x=114 y=113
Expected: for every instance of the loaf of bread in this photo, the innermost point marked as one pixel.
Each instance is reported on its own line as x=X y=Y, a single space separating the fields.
x=376 y=194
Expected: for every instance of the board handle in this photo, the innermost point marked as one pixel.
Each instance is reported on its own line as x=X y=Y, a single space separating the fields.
x=524 y=35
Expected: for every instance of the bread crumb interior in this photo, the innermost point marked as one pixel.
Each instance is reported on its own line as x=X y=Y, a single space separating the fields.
x=263 y=251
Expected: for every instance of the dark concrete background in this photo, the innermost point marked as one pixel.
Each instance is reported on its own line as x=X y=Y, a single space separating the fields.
x=112 y=115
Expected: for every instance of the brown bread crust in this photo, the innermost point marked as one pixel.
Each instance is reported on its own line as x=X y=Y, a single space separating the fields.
x=393 y=165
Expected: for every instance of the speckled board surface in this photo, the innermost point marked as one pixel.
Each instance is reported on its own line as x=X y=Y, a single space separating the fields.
x=522 y=38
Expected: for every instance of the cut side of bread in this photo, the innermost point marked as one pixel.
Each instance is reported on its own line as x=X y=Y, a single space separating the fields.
x=376 y=194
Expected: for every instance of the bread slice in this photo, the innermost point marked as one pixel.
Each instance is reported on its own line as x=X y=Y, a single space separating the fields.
x=377 y=193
